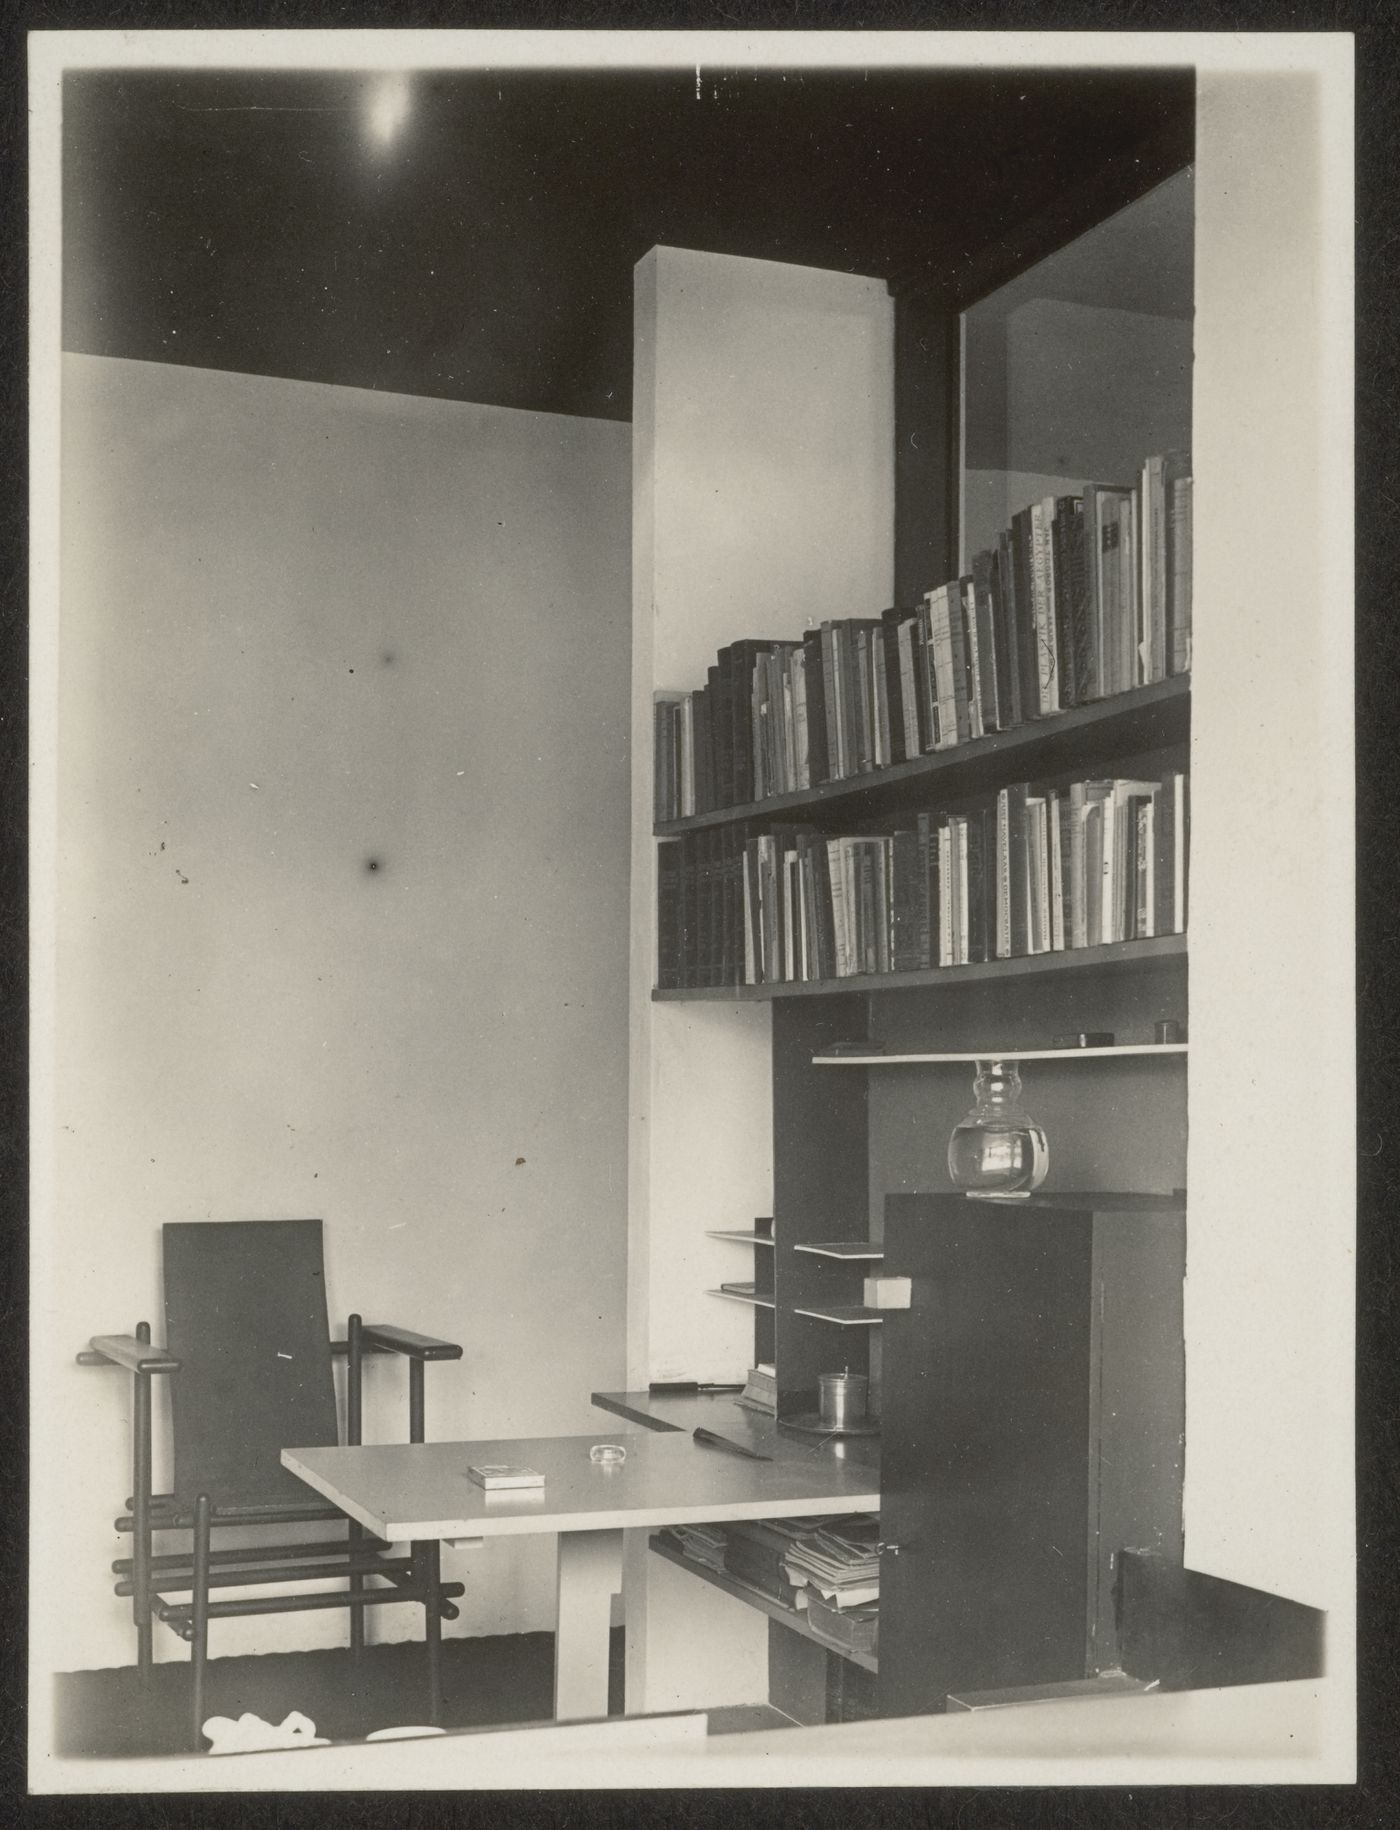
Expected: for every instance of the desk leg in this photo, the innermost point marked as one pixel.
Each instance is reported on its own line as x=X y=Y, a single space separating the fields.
x=426 y=1565
x=590 y=1574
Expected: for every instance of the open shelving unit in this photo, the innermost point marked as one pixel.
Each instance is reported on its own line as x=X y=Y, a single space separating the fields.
x=794 y=1619
x=843 y=1145
x=1145 y=718
x=1115 y=956
x=743 y=1296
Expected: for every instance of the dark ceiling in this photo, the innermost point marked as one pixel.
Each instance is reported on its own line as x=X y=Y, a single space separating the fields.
x=249 y=221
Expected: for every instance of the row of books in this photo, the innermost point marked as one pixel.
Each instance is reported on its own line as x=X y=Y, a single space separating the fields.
x=834 y=1557
x=1028 y=870
x=1083 y=597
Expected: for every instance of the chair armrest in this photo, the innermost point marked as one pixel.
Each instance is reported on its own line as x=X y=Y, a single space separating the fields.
x=404 y=1341
x=125 y=1350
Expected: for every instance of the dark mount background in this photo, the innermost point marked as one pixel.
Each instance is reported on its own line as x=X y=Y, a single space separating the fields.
x=243 y=220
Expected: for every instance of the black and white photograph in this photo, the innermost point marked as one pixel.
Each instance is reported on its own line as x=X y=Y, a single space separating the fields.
x=692 y=1040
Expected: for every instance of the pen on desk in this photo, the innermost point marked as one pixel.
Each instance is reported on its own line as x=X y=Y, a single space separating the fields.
x=708 y=1439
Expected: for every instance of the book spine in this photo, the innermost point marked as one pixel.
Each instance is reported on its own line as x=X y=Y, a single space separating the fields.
x=1003 y=874
x=814 y=678
x=879 y=651
x=668 y=974
x=927 y=901
x=988 y=654
x=1043 y=598
x=894 y=685
x=1078 y=907
x=1061 y=524
x=909 y=919
x=945 y=896
x=1180 y=588
x=1054 y=808
x=957 y=662
x=1027 y=645
x=1008 y=651
x=978 y=867
x=1018 y=869
x=1142 y=877
x=968 y=605
x=930 y=723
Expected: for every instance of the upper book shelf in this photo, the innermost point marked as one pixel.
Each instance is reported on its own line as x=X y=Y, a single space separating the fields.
x=1068 y=640
x=1148 y=718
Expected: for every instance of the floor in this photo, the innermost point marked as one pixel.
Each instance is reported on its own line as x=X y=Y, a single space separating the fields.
x=485 y=1683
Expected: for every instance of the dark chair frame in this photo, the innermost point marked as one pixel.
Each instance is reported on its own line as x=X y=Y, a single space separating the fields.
x=146 y=1577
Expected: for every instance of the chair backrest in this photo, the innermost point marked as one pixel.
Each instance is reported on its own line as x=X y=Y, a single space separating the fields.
x=245 y=1315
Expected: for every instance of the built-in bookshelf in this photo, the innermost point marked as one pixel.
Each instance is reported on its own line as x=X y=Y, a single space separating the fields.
x=988 y=789
x=1025 y=865
x=1083 y=597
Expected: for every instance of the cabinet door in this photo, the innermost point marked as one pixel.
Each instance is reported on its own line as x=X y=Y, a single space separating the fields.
x=985 y=1454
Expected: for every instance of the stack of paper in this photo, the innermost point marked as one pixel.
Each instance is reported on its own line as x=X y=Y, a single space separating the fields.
x=701 y=1543
x=840 y=1560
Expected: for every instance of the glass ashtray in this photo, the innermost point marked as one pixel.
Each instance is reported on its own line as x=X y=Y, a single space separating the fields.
x=610 y=1452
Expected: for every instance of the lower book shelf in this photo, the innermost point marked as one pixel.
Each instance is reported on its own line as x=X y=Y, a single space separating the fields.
x=794 y=1618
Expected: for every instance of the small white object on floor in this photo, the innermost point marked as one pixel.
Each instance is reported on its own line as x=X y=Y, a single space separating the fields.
x=402 y=1734
x=250 y=1734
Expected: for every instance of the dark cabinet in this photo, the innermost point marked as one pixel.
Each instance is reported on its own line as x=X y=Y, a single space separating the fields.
x=1033 y=1427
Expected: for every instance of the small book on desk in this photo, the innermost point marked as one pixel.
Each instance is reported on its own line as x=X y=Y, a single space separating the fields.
x=496 y=1475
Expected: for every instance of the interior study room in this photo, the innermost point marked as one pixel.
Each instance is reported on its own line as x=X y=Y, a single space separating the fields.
x=692 y=1004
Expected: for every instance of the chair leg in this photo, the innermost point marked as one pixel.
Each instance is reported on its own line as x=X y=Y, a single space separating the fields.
x=354 y=1394
x=427 y=1567
x=141 y=1516
x=199 y=1619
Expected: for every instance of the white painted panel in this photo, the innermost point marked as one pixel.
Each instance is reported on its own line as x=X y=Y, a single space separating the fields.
x=303 y=628
x=1272 y=1191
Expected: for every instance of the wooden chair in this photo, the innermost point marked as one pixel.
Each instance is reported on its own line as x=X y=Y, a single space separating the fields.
x=249 y=1358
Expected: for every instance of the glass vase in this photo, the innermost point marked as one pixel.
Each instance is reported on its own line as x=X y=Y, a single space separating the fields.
x=997 y=1149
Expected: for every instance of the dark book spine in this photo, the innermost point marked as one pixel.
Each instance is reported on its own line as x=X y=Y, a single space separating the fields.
x=927 y=837
x=988 y=658
x=867 y=912
x=889 y=622
x=864 y=756
x=1008 y=638
x=686 y=911
x=1064 y=602
x=932 y=729
x=908 y=895
x=722 y=725
x=978 y=948
x=1076 y=567
x=704 y=770
x=1018 y=867
x=817 y=765
x=668 y=931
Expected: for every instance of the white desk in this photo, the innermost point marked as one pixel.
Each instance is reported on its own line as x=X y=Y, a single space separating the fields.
x=421 y=1493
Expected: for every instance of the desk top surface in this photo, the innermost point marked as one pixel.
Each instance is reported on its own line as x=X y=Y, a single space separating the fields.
x=423 y=1490
x=722 y=1413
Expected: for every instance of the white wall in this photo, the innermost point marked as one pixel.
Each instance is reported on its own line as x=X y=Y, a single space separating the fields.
x=304 y=628
x=1271 y=1264
x=763 y=466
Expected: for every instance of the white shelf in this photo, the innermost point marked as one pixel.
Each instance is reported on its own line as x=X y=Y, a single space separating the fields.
x=1010 y=1054
x=743 y=1238
x=735 y=1296
x=845 y=1315
x=859 y=1251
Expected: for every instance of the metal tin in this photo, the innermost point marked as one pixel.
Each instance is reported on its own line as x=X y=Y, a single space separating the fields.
x=843 y=1399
